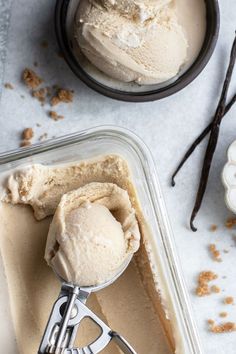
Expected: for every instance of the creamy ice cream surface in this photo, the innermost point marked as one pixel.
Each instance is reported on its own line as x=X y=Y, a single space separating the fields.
x=86 y=244
x=132 y=41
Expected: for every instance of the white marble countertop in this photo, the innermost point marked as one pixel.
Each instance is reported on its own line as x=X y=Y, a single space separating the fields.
x=167 y=126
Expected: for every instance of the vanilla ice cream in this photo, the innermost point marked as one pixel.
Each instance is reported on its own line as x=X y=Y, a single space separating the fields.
x=138 y=305
x=132 y=41
x=86 y=244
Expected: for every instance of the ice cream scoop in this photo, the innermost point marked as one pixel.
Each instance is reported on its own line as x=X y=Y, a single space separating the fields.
x=91 y=250
x=94 y=230
x=132 y=41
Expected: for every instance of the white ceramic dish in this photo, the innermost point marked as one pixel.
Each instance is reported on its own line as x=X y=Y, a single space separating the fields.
x=229 y=178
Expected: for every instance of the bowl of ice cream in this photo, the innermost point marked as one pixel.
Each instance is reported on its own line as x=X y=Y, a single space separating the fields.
x=137 y=50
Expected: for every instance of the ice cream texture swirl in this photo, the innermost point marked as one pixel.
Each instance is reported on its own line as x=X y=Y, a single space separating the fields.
x=132 y=40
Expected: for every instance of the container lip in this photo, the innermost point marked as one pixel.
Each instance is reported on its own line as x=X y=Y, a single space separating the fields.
x=180 y=296
x=208 y=47
x=68 y=139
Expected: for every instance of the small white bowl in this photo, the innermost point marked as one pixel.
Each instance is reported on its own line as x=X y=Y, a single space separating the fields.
x=229 y=178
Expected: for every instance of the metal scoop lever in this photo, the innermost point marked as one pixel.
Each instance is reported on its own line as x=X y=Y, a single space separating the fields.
x=67 y=313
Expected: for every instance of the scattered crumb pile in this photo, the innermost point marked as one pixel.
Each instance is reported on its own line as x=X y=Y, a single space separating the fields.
x=27 y=135
x=55 y=93
x=206 y=277
x=225 y=327
x=229 y=300
x=52 y=95
x=215 y=253
x=203 y=288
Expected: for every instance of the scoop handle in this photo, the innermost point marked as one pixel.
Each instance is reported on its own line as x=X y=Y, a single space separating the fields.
x=122 y=343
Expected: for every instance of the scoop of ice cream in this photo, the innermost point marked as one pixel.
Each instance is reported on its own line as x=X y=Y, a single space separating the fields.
x=92 y=233
x=128 y=40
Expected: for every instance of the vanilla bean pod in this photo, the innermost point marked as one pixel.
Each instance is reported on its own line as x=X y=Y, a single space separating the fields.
x=213 y=137
x=197 y=141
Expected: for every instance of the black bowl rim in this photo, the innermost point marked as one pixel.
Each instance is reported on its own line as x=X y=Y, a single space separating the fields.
x=185 y=79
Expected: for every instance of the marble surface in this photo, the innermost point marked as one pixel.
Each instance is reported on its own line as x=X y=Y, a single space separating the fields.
x=167 y=126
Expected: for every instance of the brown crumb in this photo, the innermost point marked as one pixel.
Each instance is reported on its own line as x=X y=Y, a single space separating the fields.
x=203 y=280
x=25 y=143
x=62 y=95
x=31 y=79
x=215 y=289
x=214 y=252
x=213 y=227
x=43 y=136
x=223 y=314
x=55 y=116
x=9 y=86
x=210 y=322
x=229 y=300
x=223 y=327
x=40 y=94
x=44 y=43
x=230 y=222
x=27 y=134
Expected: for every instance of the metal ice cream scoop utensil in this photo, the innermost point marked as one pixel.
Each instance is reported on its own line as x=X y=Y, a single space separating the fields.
x=67 y=313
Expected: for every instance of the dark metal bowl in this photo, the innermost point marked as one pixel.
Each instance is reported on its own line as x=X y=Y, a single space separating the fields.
x=156 y=93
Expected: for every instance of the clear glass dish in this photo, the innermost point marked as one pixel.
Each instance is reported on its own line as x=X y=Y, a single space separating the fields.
x=107 y=140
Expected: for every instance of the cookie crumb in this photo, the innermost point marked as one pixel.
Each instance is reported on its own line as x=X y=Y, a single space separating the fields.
x=22 y=96
x=223 y=314
x=55 y=116
x=213 y=227
x=9 y=86
x=204 y=278
x=40 y=94
x=215 y=253
x=27 y=134
x=65 y=96
x=230 y=222
x=229 y=300
x=38 y=125
x=210 y=322
x=226 y=327
x=226 y=251
x=215 y=289
x=36 y=64
x=31 y=79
